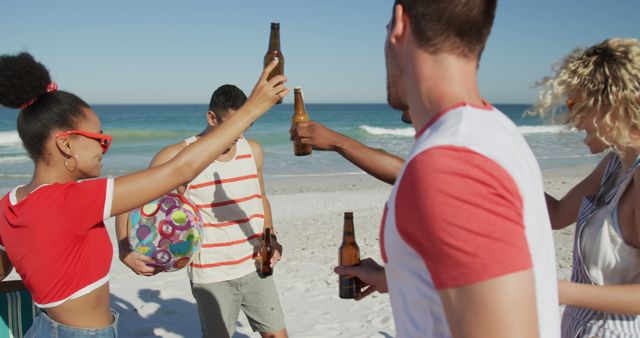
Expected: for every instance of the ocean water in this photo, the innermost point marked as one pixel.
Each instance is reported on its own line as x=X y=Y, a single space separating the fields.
x=140 y=131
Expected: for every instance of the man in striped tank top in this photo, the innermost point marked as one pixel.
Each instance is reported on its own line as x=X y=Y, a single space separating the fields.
x=231 y=197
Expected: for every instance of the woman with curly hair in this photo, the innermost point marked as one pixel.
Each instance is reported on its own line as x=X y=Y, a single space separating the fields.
x=601 y=86
x=52 y=229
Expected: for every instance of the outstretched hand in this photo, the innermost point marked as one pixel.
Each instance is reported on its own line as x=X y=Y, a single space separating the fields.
x=371 y=274
x=315 y=134
x=266 y=93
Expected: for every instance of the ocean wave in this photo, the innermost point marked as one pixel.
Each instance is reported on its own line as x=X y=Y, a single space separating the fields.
x=146 y=133
x=14 y=159
x=10 y=138
x=410 y=132
x=378 y=131
x=15 y=175
x=318 y=174
x=560 y=157
x=555 y=129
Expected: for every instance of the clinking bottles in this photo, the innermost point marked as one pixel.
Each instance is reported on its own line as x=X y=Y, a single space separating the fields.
x=349 y=255
x=299 y=115
x=274 y=52
x=266 y=252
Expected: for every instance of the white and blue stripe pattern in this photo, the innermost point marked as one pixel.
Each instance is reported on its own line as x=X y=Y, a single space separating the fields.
x=583 y=322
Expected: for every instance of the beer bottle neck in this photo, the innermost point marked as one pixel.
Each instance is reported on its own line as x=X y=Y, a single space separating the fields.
x=348 y=234
x=298 y=102
x=274 y=39
x=267 y=236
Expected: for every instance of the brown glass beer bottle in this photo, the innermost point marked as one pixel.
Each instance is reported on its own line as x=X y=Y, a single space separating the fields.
x=266 y=252
x=299 y=115
x=274 y=52
x=349 y=256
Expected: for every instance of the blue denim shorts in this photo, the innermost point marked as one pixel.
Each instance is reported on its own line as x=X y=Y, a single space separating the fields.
x=45 y=327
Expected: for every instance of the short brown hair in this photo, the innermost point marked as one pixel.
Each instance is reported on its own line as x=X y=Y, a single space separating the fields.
x=455 y=26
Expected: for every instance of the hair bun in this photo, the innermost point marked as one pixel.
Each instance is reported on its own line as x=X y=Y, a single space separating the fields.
x=22 y=79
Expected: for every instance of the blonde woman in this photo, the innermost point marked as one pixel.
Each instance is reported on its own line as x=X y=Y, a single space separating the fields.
x=601 y=88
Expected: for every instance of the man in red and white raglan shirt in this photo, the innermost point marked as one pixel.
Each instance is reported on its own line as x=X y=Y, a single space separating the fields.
x=465 y=235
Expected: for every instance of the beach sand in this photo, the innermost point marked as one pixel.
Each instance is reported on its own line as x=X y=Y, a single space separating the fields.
x=308 y=215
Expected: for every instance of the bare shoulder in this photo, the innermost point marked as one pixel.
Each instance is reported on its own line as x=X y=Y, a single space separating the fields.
x=167 y=153
x=255 y=146
x=256 y=149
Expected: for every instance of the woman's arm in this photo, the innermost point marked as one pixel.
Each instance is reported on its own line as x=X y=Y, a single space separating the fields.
x=136 y=189
x=621 y=299
x=564 y=212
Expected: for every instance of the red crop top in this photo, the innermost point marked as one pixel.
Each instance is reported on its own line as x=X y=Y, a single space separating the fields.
x=56 y=239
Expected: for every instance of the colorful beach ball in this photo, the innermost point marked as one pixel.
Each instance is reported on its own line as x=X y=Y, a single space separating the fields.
x=169 y=229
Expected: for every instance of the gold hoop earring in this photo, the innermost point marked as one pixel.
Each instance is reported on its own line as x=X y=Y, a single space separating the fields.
x=75 y=162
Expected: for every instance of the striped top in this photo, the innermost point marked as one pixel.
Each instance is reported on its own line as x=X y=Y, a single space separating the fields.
x=229 y=197
x=601 y=257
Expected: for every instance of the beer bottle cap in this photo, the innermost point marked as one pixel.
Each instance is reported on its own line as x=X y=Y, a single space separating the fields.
x=348 y=214
x=275 y=25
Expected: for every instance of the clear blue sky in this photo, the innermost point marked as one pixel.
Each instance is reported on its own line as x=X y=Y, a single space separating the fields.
x=160 y=51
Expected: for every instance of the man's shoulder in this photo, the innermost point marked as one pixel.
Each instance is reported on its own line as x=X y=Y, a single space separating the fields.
x=167 y=153
x=253 y=144
x=256 y=151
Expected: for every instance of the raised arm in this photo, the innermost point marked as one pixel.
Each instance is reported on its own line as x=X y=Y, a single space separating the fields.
x=136 y=189
x=376 y=162
x=564 y=212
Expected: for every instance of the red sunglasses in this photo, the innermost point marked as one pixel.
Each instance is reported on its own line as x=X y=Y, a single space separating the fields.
x=103 y=139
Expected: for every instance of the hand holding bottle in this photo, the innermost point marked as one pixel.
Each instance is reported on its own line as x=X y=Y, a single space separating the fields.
x=372 y=276
x=267 y=93
x=316 y=135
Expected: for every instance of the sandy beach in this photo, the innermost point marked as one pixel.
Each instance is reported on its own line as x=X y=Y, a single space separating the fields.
x=308 y=216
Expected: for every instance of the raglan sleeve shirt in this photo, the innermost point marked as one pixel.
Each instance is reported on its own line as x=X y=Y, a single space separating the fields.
x=463 y=214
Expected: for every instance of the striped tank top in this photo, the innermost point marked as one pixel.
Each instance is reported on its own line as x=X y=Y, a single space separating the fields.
x=230 y=200
x=601 y=257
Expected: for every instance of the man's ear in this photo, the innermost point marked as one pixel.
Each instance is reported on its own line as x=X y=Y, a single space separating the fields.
x=400 y=26
x=212 y=119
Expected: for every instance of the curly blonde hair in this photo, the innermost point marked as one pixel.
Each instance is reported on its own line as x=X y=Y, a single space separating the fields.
x=604 y=83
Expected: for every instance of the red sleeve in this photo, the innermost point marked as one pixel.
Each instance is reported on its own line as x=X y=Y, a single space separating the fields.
x=87 y=203
x=462 y=213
